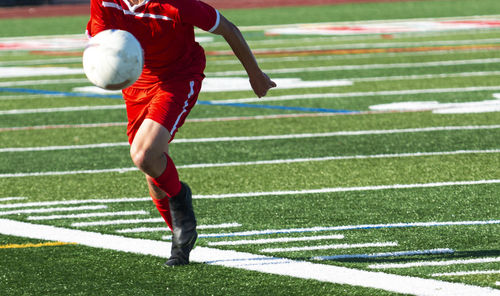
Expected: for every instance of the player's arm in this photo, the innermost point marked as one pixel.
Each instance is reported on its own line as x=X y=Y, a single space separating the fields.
x=260 y=82
x=99 y=19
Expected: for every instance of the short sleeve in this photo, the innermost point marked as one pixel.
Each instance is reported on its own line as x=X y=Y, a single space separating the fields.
x=198 y=14
x=99 y=20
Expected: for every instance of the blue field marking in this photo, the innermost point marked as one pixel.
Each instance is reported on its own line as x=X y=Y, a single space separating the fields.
x=206 y=103
x=57 y=93
x=304 y=109
x=386 y=254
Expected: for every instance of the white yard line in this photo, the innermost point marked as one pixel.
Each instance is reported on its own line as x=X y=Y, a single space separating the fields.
x=247 y=261
x=299 y=40
x=434 y=263
x=284 y=70
x=358 y=94
x=361 y=67
x=58 y=126
x=331 y=190
x=44 y=82
x=141 y=221
x=329 y=158
x=156 y=229
x=312 y=96
x=330 y=247
x=16 y=72
x=249 y=233
x=2 y=199
x=51 y=210
x=264 y=137
x=344 y=57
x=214 y=119
x=350 y=23
x=261 y=162
x=341 y=39
x=425 y=76
x=462 y=273
x=346 y=189
x=349 y=227
x=291 y=49
x=275 y=240
x=385 y=254
x=118 y=222
x=74 y=202
x=41 y=62
x=70 y=147
x=353 y=79
x=61 y=109
x=65 y=173
x=88 y=215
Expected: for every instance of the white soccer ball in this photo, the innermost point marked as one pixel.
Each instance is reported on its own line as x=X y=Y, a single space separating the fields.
x=113 y=59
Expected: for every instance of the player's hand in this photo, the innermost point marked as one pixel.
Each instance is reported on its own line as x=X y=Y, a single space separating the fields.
x=261 y=83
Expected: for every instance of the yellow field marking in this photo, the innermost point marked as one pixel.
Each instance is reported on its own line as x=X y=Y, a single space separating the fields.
x=30 y=245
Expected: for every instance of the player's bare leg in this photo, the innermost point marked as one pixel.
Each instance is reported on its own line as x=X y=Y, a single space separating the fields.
x=149 y=153
x=149 y=147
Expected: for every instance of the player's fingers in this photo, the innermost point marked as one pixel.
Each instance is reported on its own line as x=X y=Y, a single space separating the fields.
x=264 y=91
x=262 y=85
x=270 y=83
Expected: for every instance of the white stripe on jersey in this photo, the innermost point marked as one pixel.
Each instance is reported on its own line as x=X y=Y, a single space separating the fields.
x=128 y=12
x=216 y=22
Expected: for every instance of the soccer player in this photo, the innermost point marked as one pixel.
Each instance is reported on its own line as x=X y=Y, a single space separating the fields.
x=159 y=102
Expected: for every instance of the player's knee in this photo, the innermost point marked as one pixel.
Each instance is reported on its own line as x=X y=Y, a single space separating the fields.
x=142 y=158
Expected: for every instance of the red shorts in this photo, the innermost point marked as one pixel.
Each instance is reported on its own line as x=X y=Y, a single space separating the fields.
x=167 y=103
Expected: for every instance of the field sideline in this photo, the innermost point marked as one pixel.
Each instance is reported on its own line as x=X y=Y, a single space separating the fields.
x=371 y=170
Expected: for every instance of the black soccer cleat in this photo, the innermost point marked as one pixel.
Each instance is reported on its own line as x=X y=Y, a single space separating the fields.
x=180 y=254
x=184 y=227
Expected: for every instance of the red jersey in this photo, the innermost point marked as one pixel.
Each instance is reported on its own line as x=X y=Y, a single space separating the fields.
x=165 y=29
